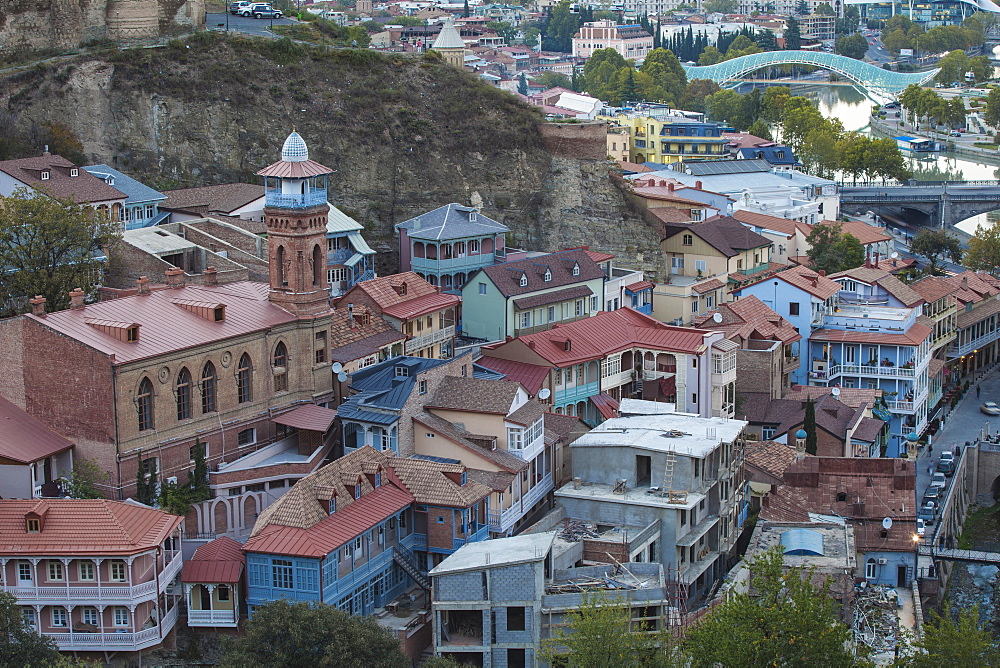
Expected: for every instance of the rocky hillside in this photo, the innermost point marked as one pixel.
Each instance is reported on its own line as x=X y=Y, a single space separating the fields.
x=405 y=134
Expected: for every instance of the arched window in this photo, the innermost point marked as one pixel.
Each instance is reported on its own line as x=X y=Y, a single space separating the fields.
x=279 y=364
x=318 y=266
x=244 y=379
x=208 y=387
x=183 y=394
x=279 y=260
x=144 y=404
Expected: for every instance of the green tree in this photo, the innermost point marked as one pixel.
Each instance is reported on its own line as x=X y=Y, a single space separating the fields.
x=21 y=645
x=695 y=93
x=465 y=10
x=522 y=84
x=802 y=7
x=783 y=620
x=142 y=494
x=601 y=634
x=992 y=112
x=935 y=245
x=824 y=9
x=50 y=246
x=563 y=24
x=850 y=251
x=505 y=30
x=198 y=477
x=809 y=426
x=830 y=250
x=710 y=56
x=760 y=129
x=895 y=41
x=766 y=41
x=531 y=37
x=720 y=6
x=853 y=46
x=61 y=141
x=666 y=72
x=84 y=481
x=793 y=35
x=292 y=635
x=983 y=253
x=554 y=80
x=601 y=72
x=948 y=641
x=953 y=66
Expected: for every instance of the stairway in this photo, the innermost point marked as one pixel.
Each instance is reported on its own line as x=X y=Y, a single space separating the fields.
x=408 y=563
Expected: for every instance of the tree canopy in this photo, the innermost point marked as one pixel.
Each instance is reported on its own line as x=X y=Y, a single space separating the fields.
x=291 y=635
x=954 y=640
x=831 y=250
x=983 y=253
x=562 y=25
x=50 y=247
x=21 y=645
x=935 y=245
x=853 y=46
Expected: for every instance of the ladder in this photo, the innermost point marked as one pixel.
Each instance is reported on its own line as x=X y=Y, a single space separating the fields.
x=668 y=474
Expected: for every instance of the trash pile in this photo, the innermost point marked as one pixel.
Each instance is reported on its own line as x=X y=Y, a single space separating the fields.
x=573 y=531
x=619 y=578
x=876 y=620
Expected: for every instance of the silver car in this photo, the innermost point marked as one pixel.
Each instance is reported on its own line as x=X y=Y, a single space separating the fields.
x=990 y=408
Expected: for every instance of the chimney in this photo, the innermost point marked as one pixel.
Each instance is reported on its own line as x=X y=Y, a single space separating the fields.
x=670 y=187
x=37 y=306
x=46 y=151
x=822 y=272
x=142 y=285
x=175 y=277
x=76 y=298
x=531 y=344
x=697 y=184
x=350 y=315
x=815 y=280
x=211 y=276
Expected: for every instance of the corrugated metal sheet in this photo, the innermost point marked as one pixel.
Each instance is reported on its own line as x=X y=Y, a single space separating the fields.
x=310 y=416
x=25 y=439
x=802 y=542
x=220 y=560
x=295 y=170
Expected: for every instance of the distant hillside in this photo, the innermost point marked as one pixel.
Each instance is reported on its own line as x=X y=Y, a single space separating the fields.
x=404 y=133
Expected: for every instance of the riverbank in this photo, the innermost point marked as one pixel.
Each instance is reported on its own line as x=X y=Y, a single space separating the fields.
x=982 y=155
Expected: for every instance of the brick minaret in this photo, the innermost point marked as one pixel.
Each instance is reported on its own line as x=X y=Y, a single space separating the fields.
x=296 y=211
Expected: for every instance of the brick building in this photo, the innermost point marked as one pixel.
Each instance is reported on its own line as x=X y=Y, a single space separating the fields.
x=141 y=379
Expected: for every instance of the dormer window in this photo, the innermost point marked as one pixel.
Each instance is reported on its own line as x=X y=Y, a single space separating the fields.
x=548 y=275
x=74 y=172
x=34 y=525
x=357 y=491
x=402 y=372
x=132 y=334
x=219 y=313
x=524 y=281
x=576 y=270
x=465 y=478
x=378 y=479
x=333 y=505
x=472 y=216
x=45 y=176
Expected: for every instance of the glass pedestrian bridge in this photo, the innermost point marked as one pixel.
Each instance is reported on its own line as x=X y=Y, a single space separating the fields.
x=881 y=85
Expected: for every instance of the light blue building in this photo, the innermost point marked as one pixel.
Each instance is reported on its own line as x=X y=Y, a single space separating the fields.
x=349 y=258
x=141 y=207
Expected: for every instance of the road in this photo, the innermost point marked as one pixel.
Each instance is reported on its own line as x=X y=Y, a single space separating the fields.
x=876 y=53
x=244 y=24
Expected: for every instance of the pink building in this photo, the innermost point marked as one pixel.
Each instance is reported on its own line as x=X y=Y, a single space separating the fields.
x=631 y=41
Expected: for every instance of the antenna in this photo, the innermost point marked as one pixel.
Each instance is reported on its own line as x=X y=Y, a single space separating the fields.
x=544 y=393
x=835 y=391
x=337 y=367
x=887 y=523
x=717 y=317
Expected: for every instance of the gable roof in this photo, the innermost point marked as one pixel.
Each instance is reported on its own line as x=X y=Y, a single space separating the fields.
x=479 y=395
x=749 y=318
x=471 y=442
x=359 y=333
x=223 y=198
x=932 y=288
x=451 y=221
x=817 y=285
x=851 y=396
x=82 y=188
x=889 y=282
x=219 y=560
x=25 y=439
x=387 y=386
x=723 y=233
x=863 y=232
x=83 y=527
x=914 y=336
x=402 y=295
x=530 y=376
x=506 y=277
x=135 y=191
x=769 y=457
x=774 y=223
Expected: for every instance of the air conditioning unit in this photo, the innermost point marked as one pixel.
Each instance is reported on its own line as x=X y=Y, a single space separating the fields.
x=172 y=480
x=883 y=562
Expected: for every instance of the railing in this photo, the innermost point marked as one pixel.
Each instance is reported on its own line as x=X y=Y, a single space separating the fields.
x=907 y=405
x=75 y=593
x=315 y=197
x=540 y=489
x=132 y=640
x=339 y=255
x=617 y=379
x=978 y=342
x=172 y=568
x=870 y=370
x=500 y=521
x=210 y=617
x=453 y=263
x=426 y=340
x=576 y=392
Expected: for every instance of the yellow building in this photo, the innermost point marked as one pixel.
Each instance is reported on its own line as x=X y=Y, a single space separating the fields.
x=669 y=138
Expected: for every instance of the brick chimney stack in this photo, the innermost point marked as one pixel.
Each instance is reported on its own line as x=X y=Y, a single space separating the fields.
x=211 y=276
x=76 y=298
x=175 y=277
x=142 y=285
x=37 y=306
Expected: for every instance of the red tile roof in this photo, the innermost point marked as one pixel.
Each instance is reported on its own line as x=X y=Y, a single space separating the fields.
x=83 y=527
x=220 y=560
x=806 y=279
x=750 y=318
x=782 y=225
x=667 y=214
x=166 y=326
x=334 y=531
x=530 y=376
x=399 y=290
x=932 y=288
x=422 y=305
x=309 y=416
x=707 y=286
x=849 y=396
x=666 y=194
x=295 y=170
x=875 y=276
x=25 y=439
x=596 y=256
x=638 y=286
x=863 y=232
x=914 y=336
x=634 y=167
x=85 y=187
x=222 y=198
x=609 y=332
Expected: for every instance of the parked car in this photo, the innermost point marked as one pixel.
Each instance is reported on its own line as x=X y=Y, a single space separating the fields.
x=948 y=455
x=956 y=133
x=261 y=10
x=946 y=466
x=921 y=526
x=990 y=408
x=235 y=7
x=938 y=480
x=931 y=494
x=927 y=512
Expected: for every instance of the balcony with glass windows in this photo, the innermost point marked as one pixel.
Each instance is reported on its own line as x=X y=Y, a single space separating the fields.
x=313 y=196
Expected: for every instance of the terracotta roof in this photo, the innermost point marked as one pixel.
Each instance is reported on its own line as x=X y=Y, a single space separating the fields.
x=768 y=456
x=806 y=279
x=764 y=272
x=978 y=312
x=85 y=187
x=851 y=396
x=220 y=560
x=223 y=198
x=895 y=265
x=427 y=481
x=26 y=439
x=596 y=256
x=609 y=332
x=664 y=194
x=863 y=232
x=295 y=170
x=166 y=326
x=746 y=140
x=782 y=225
x=552 y=297
x=973 y=286
x=868 y=429
x=749 y=318
x=479 y=395
x=309 y=416
x=530 y=376
x=422 y=305
x=875 y=276
x=566 y=427
x=723 y=233
x=639 y=285
x=707 y=286
x=83 y=527
x=633 y=167
x=394 y=290
x=361 y=335
x=669 y=214
x=367 y=346
x=933 y=288
x=459 y=436
x=529 y=413
x=914 y=336
x=506 y=277
x=498 y=481
x=606 y=405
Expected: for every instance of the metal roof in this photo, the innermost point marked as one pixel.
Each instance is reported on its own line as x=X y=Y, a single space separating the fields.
x=26 y=439
x=723 y=167
x=451 y=221
x=135 y=191
x=309 y=416
x=220 y=560
x=802 y=542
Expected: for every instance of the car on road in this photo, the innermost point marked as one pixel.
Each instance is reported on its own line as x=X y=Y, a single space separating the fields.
x=946 y=466
x=235 y=7
x=955 y=133
x=931 y=494
x=921 y=527
x=990 y=408
x=927 y=512
x=948 y=455
x=939 y=480
x=261 y=11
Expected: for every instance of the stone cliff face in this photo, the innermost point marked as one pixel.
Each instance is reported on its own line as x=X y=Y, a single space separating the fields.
x=405 y=135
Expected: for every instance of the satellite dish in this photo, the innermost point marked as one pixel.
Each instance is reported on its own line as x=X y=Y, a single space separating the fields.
x=887 y=523
x=894 y=255
x=835 y=391
x=337 y=367
x=341 y=376
x=717 y=317
x=544 y=393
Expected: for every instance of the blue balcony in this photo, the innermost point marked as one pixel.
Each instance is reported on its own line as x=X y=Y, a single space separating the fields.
x=339 y=256
x=573 y=394
x=469 y=262
x=276 y=198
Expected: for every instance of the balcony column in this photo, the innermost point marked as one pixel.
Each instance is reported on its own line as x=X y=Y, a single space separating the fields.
x=211 y=603
x=65 y=563
x=131 y=615
x=69 y=620
x=38 y=618
x=3 y=572
x=128 y=563
x=97 y=574
x=37 y=578
x=187 y=596
x=100 y=618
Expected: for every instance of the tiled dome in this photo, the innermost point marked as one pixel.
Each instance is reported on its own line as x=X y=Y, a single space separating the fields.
x=295 y=149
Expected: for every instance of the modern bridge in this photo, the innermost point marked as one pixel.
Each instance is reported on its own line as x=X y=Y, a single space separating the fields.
x=939 y=203
x=881 y=85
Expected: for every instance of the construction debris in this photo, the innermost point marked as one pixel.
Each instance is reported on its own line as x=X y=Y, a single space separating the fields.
x=876 y=619
x=618 y=579
x=573 y=531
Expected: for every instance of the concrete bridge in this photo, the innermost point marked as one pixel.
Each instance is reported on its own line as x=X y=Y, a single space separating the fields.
x=929 y=203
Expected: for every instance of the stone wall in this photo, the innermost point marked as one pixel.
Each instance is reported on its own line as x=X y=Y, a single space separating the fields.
x=585 y=141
